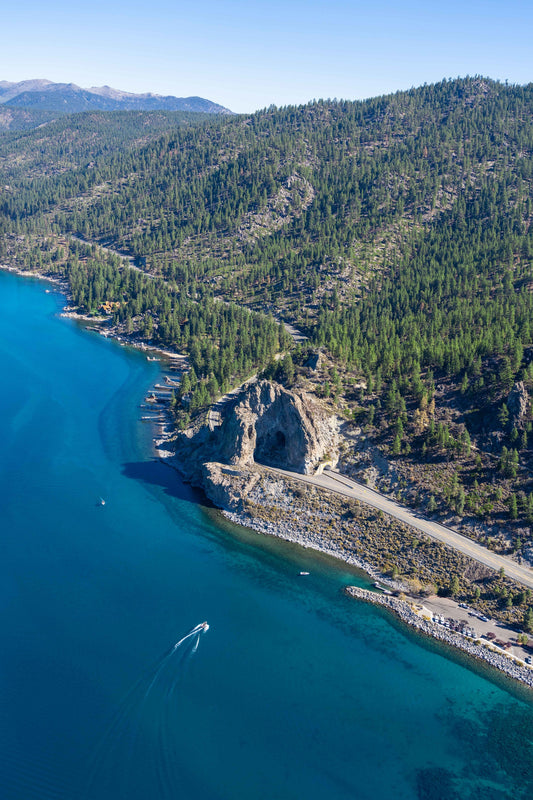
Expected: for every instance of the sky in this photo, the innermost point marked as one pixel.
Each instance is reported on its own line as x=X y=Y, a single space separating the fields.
x=249 y=55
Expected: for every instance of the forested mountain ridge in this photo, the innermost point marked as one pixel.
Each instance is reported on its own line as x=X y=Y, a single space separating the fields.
x=78 y=142
x=395 y=231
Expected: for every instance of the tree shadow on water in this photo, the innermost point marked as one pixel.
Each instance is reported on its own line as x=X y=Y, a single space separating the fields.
x=155 y=473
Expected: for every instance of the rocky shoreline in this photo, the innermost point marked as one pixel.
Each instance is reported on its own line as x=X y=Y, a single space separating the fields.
x=402 y=608
x=253 y=496
x=71 y=312
x=484 y=652
x=316 y=541
x=61 y=283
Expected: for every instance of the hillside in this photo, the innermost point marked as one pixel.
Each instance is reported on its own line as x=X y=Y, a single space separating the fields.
x=396 y=232
x=75 y=144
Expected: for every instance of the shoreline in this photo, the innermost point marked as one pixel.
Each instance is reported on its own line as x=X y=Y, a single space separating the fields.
x=69 y=312
x=479 y=648
x=509 y=665
x=413 y=611
x=62 y=283
x=288 y=534
x=481 y=651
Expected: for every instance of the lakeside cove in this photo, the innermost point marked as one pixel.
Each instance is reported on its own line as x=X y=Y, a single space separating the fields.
x=295 y=523
x=418 y=612
x=248 y=514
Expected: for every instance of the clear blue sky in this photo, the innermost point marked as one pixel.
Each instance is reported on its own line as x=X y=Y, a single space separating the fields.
x=247 y=55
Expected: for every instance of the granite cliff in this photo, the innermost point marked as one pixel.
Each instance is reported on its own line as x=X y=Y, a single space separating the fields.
x=266 y=424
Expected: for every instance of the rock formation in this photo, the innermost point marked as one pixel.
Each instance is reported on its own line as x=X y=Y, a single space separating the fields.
x=266 y=424
x=227 y=486
x=517 y=403
x=273 y=426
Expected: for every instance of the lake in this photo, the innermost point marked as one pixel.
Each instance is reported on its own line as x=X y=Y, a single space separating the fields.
x=295 y=691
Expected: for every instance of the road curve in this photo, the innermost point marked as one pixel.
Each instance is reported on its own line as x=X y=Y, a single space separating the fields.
x=341 y=484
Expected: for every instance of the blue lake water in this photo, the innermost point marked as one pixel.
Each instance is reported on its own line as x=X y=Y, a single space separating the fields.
x=294 y=692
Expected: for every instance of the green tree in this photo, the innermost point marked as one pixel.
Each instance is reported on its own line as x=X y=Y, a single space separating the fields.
x=397 y=445
x=455 y=586
x=503 y=416
x=288 y=369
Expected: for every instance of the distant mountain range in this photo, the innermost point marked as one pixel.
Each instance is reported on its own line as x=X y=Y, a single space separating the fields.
x=67 y=98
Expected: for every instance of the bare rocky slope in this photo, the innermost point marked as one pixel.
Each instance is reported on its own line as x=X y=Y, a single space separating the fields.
x=265 y=424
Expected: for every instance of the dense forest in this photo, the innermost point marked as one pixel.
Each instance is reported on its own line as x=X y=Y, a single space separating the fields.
x=394 y=232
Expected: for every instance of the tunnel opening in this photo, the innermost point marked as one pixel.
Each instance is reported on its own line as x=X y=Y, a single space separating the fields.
x=271 y=449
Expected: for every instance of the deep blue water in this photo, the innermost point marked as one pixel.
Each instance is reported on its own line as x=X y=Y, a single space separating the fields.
x=294 y=692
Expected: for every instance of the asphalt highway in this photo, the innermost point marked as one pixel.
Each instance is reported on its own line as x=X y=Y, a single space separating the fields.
x=341 y=484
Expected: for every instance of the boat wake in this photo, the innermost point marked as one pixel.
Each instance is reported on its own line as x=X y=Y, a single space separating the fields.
x=139 y=748
x=199 y=629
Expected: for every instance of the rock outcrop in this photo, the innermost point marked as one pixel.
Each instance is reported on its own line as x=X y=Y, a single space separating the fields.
x=227 y=486
x=517 y=403
x=278 y=428
x=266 y=424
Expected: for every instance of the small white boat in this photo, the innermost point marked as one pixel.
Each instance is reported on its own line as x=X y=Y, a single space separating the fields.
x=304 y=573
x=202 y=626
x=102 y=501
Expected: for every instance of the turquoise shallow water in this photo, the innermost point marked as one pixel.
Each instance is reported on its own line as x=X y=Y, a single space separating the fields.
x=295 y=691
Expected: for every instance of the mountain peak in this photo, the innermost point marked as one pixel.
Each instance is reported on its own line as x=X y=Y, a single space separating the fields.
x=69 y=98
